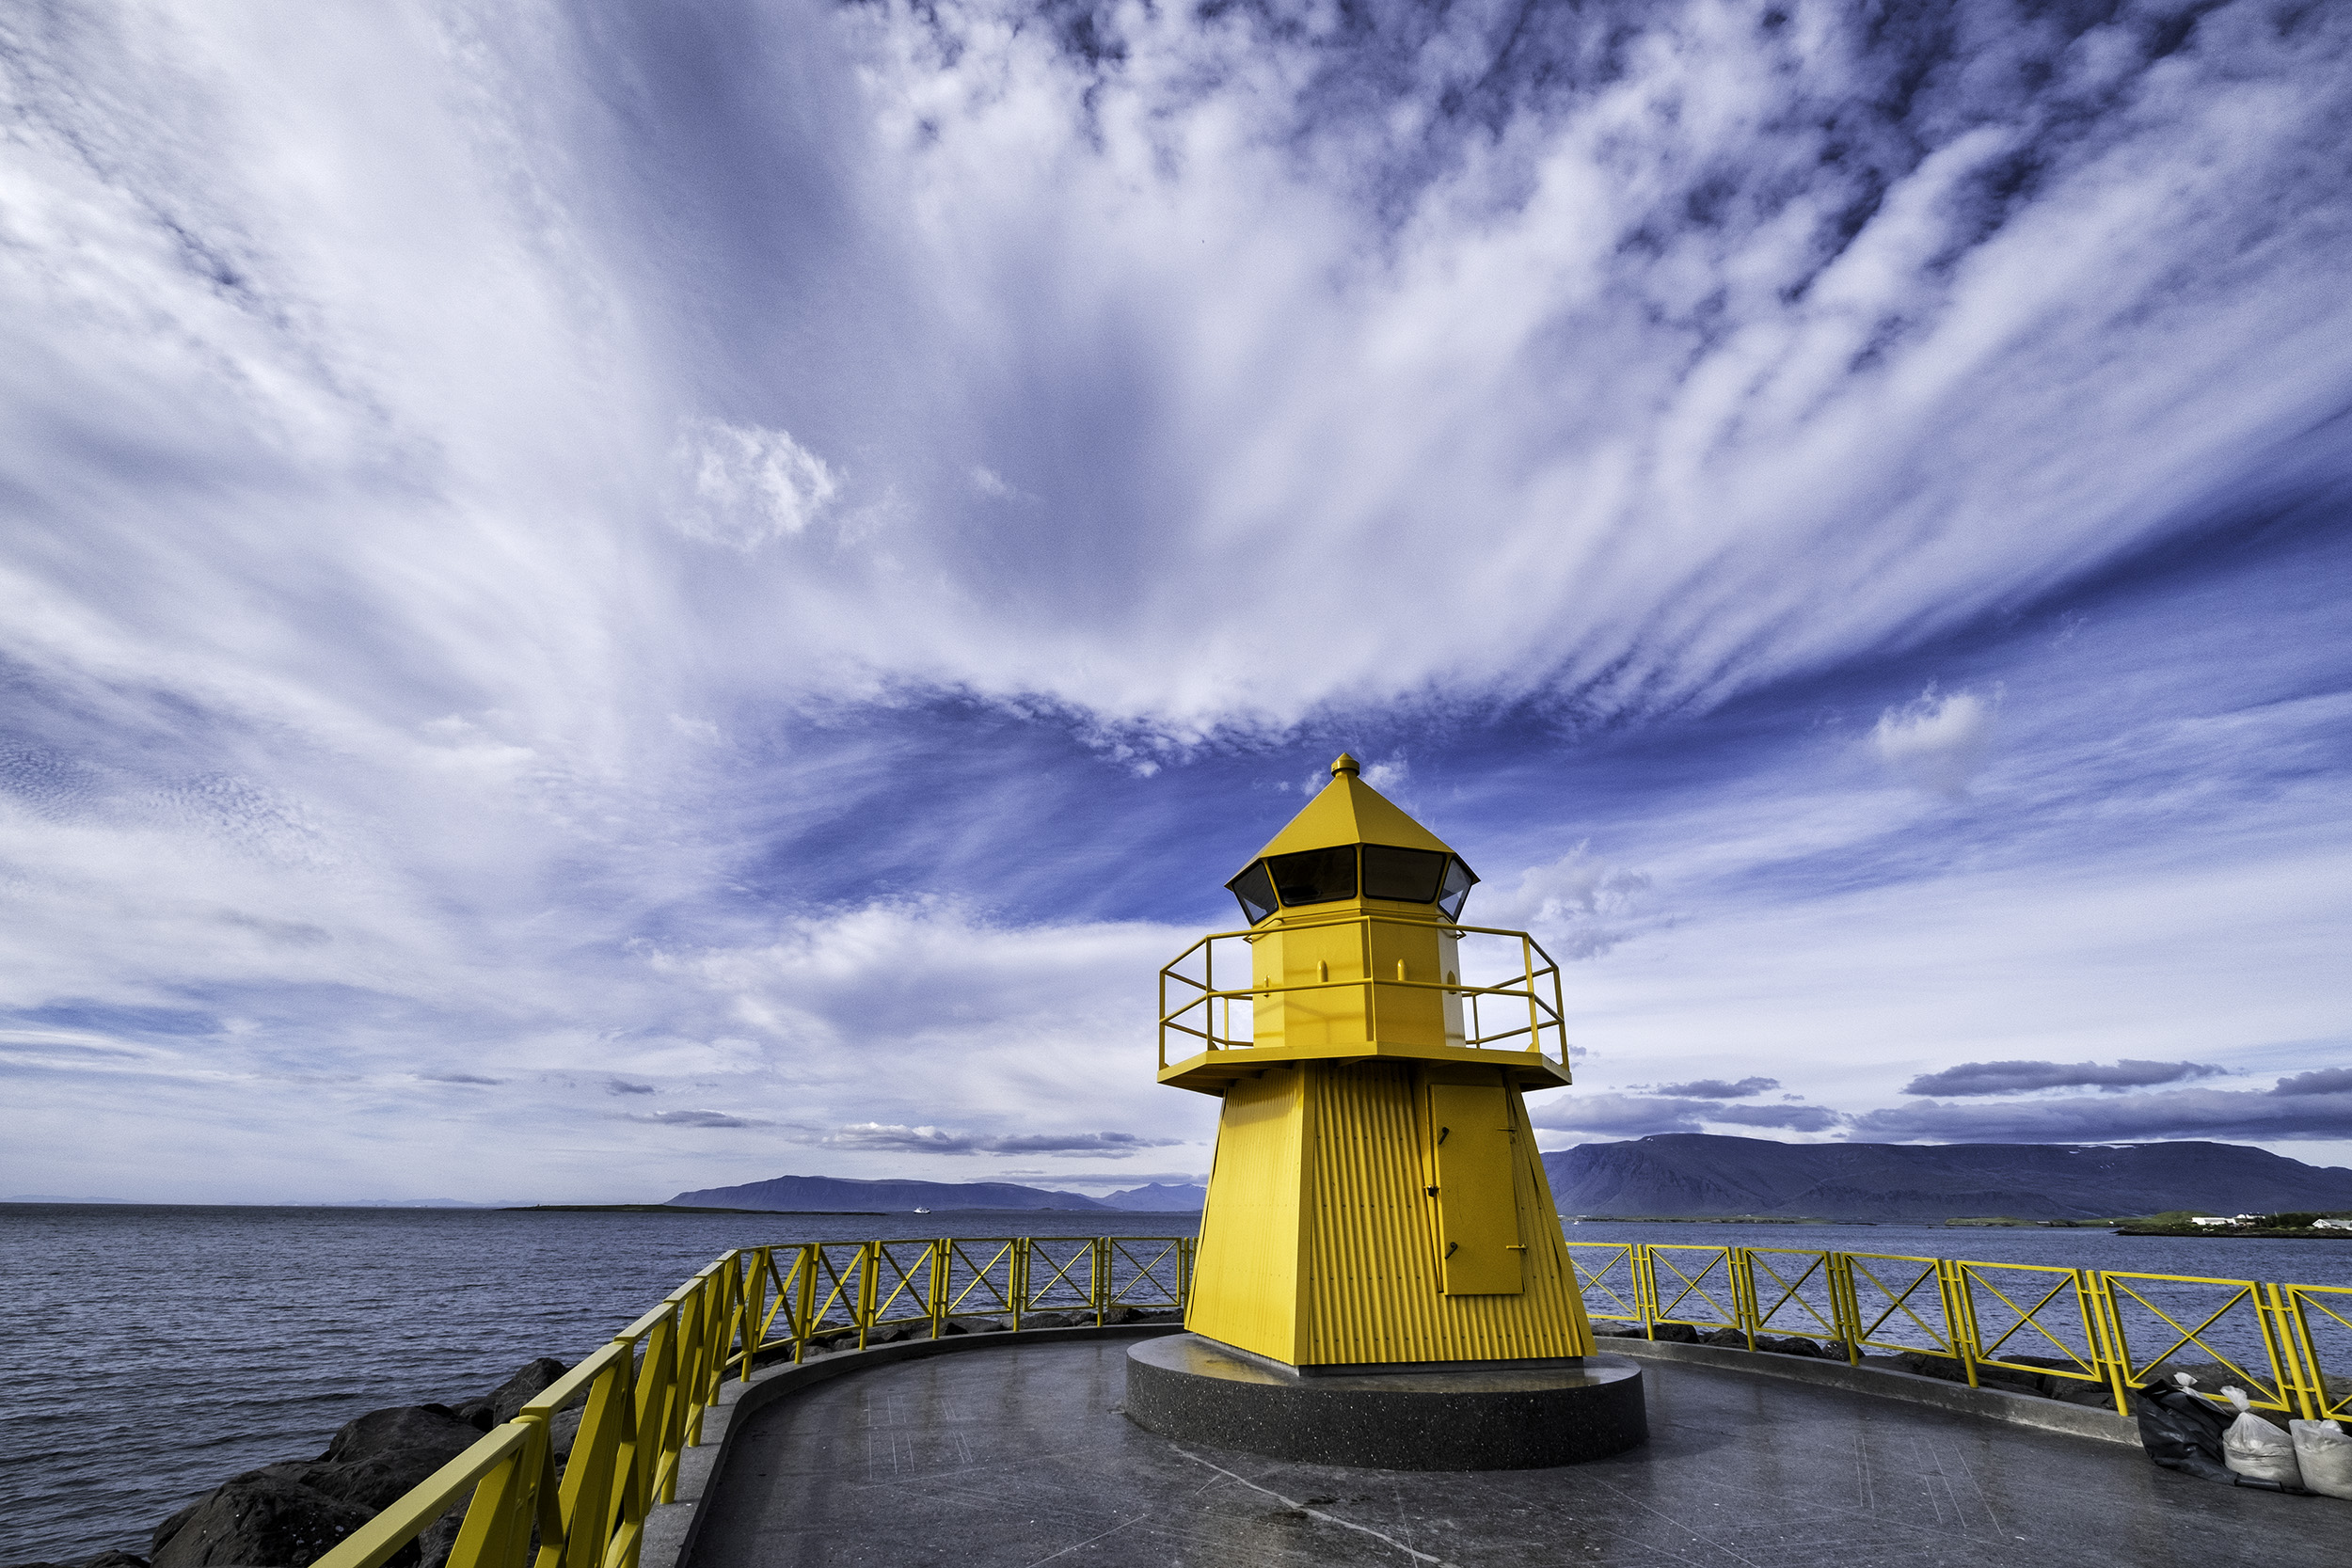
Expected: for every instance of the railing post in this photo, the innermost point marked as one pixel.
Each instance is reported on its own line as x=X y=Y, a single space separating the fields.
x=1559 y=1017
x=1960 y=1315
x=861 y=1305
x=1098 y=1285
x=694 y=1349
x=1845 y=1307
x=2104 y=1320
x=942 y=1251
x=1183 y=1274
x=1527 y=967
x=1017 y=1278
x=755 y=1308
x=805 y=1310
x=1644 y=1290
x=1739 y=1262
x=2291 y=1352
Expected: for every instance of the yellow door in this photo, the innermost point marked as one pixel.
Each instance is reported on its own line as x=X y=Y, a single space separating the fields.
x=1478 y=1214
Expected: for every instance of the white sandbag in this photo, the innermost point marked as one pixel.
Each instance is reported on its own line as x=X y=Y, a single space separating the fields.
x=2253 y=1448
x=2324 y=1449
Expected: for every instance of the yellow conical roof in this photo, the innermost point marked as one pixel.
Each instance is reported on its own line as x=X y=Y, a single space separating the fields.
x=1349 y=810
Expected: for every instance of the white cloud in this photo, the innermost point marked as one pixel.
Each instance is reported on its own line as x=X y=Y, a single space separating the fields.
x=1937 y=742
x=751 y=485
x=1577 y=906
x=362 y=369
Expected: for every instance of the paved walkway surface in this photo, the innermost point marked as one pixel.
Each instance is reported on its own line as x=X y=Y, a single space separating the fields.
x=1020 y=1456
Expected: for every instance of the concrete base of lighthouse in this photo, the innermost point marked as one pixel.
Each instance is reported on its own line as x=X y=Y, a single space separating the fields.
x=1493 y=1418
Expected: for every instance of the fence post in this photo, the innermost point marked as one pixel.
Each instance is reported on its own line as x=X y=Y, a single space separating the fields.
x=1184 y=1274
x=1644 y=1290
x=861 y=1305
x=1960 y=1316
x=803 y=1305
x=755 y=1308
x=1844 y=1306
x=1098 y=1285
x=1739 y=1262
x=2291 y=1352
x=2105 y=1321
x=1017 y=1278
x=693 y=1360
x=942 y=1250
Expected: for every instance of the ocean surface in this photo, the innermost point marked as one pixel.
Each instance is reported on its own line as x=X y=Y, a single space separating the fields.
x=154 y=1352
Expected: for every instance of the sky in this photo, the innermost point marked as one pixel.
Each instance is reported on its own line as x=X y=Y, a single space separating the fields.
x=597 y=600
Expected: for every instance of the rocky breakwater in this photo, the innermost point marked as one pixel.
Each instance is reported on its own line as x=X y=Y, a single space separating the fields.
x=291 y=1514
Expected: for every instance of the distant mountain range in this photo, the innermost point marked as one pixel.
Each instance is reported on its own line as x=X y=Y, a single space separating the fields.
x=816 y=1194
x=1695 y=1175
x=1160 y=1197
x=1692 y=1175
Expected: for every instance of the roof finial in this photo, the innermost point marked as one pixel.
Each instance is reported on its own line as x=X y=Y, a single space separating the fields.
x=1345 y=764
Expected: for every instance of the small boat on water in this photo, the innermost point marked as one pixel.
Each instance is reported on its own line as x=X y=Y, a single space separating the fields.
x=921 y=1209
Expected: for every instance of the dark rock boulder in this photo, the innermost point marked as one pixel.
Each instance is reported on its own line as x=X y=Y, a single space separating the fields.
x=535 y=1378
x=384 y=1454
x=1799 y=1345
x=258 y=1521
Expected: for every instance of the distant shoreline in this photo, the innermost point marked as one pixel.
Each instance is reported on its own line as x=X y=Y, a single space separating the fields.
x=666 y=1209
x=1721 y=1219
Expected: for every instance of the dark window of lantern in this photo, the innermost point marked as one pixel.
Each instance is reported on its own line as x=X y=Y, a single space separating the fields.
x=1314 y=876
x=1409 y=876
x=1255 y=890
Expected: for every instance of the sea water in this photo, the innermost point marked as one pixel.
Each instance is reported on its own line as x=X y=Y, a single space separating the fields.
x=154 y=1352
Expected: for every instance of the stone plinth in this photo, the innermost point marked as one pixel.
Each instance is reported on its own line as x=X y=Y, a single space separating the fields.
x=1494 y=1418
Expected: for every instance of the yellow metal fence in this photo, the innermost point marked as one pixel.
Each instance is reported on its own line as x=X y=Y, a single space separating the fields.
x=641 y=1395
x=2106 y=1328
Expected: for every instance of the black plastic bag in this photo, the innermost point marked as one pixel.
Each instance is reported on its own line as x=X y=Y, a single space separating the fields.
x=2182 y=1432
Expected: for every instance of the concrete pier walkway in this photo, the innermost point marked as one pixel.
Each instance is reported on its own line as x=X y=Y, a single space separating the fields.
x=1016 y=1456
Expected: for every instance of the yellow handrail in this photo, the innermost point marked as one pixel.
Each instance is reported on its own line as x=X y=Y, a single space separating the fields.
x=2104 y=1326
x=644 y=1392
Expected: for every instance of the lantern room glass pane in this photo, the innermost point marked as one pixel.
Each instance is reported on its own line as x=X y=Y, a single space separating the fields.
x=1314 y=876
x=1459 y=880
x=1409 y=876
x=1255 y=890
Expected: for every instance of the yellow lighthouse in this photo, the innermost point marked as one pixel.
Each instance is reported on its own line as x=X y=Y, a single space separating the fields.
x=1376 y=1199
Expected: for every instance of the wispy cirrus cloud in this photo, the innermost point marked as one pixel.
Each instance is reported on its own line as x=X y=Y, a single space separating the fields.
x=685 y=657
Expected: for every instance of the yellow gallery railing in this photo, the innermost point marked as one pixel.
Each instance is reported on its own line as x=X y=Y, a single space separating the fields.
x=642 y=1395
x=2107 y=1328
x=1198 y=1009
